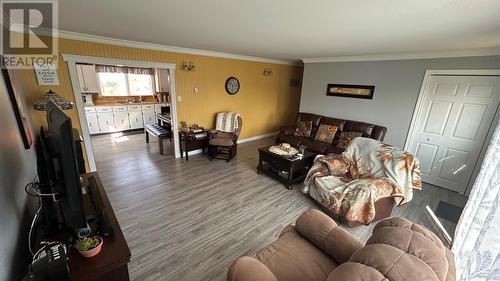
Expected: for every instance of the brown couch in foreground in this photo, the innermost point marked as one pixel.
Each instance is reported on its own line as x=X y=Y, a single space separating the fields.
x=316 y=249
x=287 y=133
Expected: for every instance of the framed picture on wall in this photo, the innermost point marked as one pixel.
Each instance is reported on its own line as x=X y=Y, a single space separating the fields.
x=350 y=91
x=19 y=107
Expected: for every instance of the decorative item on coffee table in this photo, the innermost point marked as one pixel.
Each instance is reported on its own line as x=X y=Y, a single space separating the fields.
x=284 y=163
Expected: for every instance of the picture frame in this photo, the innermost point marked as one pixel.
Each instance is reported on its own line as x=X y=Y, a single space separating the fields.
x=350 y=91
x=19 y=108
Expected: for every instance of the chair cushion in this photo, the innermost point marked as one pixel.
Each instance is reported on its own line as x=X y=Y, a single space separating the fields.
x=303 y=129
x=316 y=146
x=325 y=133
x=157 y=130
x=221 y=142
x=314 y=118
x=293 y=258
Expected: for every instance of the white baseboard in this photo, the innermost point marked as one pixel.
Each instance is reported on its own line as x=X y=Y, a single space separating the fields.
x=257 y=137
x=254 y=138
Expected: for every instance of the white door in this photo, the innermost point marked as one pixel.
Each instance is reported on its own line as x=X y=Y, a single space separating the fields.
x=149 y=116
x=121 y=121
x=92 y=123
x=135 y=118
x=456 y=114
x=106 y=122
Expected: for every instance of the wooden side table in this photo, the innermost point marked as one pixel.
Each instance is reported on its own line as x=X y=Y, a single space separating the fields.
x=188 y=142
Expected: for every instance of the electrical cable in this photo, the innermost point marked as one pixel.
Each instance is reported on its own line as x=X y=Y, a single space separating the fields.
x=35 y=186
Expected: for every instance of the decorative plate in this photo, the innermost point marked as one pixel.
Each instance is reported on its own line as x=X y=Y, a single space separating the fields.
x=232 y=85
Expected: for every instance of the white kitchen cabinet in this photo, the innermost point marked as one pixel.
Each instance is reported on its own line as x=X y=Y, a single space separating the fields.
x=149 y=116
x=162 y=80
x=92 y=123
x=136 y=121
x=121 y=120
x=87 y=77
x=106 y=122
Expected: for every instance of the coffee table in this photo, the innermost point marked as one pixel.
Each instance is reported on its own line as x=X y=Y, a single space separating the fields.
x=282 y=168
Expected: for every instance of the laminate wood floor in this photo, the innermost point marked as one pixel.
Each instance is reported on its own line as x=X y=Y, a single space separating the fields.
x=190 y=220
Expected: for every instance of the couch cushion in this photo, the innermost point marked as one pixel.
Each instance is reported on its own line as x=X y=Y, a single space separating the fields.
x=340 y=123
x=293 y=258
x=325 y=133
x=398 y=250
x=314 y=118
x=316 y=146
x=362 y=127
x=346 y=138
x=293 y=140
x=334 y=150
x=303 y=129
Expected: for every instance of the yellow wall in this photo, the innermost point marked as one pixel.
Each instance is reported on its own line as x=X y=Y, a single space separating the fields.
x=265 y=103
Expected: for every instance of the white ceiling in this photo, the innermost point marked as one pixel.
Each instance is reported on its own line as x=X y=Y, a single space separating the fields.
x=292 y=29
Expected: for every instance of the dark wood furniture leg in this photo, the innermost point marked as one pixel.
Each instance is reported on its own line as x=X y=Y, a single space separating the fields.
x=147 y=136
x=160 y=143
x=185 y=145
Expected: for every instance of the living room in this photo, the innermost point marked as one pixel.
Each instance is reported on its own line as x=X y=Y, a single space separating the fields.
x=262 y=118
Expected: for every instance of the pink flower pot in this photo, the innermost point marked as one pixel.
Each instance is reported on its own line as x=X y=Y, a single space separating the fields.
x=94 y=251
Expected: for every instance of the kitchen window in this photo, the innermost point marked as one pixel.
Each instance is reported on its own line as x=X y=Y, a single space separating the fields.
x=124 y=81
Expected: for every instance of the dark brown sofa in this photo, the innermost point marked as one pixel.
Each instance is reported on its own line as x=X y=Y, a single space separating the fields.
x=286 y=134
x=316 y=249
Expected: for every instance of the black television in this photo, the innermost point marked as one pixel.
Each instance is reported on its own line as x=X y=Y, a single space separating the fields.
x=65 y=174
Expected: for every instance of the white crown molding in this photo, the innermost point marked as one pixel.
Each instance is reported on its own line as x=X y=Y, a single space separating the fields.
x=407 y=56
x=166 y=48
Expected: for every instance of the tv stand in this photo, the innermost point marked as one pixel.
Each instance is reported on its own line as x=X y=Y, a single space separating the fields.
x=111 y=263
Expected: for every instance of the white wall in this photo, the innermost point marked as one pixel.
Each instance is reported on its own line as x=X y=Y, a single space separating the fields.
x=17 y=168
x=397 y=84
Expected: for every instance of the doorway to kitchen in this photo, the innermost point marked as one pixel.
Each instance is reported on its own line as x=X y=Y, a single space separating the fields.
x=117 y=99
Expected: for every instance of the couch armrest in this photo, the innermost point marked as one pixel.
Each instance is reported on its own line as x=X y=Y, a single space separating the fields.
x=249 y=269
x=287 y=130
x=324 y=233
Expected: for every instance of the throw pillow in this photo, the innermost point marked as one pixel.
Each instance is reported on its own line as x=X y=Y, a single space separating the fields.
x=325 y=133
x=303 y=129
x=346 y=138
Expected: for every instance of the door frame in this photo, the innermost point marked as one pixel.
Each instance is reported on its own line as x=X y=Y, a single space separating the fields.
x=72 y=60
x=417 y=113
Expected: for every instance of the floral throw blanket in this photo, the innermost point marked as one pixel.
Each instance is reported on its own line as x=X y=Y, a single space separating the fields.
x=349 y=184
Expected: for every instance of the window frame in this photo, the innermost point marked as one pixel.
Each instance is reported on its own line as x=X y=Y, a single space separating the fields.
x=127 y=85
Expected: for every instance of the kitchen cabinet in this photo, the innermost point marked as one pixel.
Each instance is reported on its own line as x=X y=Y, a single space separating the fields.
x=162 y=80
x=149 y=116
x=121 y=120
x=106 y=122
x=113 y=118
x=92 y=123
x=87 y=78
x=136 y=121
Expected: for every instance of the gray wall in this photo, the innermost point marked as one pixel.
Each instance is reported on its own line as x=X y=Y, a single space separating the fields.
x=17 y=168
x=397 y=84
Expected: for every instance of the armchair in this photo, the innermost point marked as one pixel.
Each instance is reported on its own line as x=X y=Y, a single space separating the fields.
x=223 y=145
x=316 y=249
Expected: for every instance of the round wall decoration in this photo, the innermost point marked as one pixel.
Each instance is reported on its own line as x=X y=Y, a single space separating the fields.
x=232 y=85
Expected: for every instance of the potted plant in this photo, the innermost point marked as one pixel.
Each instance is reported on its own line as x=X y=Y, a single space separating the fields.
x=90 y=246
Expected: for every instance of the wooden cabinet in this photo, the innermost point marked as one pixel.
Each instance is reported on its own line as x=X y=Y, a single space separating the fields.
x=87 y=78
x=162 y=80
x=92 y=123
x=106 y=122
x=135 y=118
x=121 y=120
x=149 y=116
